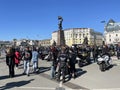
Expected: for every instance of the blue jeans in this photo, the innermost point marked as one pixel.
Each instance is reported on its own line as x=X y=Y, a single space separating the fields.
x=26 y=66
x=35 y=65
x=52 y=72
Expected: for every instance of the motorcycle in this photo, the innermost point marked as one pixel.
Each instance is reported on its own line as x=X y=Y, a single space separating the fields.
x=118 y=54
x=83 y=59
x=104 y=62
x=112 y=53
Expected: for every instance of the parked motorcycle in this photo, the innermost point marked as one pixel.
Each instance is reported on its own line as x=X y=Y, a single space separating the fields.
x=83 y=59
x=104 y=62
x=118 y=54
x=112 y=53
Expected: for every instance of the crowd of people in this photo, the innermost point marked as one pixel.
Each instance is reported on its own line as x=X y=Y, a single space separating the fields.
x=14 y=56
x=63 y=58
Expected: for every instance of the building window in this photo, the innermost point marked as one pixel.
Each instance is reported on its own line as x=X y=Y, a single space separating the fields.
x=76 y=35
x=83 y=35
x=109 y=35
x=110 y=40
x=79 y=35
x=116 y=34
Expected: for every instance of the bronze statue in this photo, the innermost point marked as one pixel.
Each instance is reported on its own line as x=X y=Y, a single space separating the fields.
x=60 y=22
x=85 y=42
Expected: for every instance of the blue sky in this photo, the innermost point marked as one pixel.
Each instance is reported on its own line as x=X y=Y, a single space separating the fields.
x=37 y=19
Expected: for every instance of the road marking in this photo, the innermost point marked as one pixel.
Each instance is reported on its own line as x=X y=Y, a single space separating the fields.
x=68 y=84
x=108 y=89
x=39 y=88
x=49 y=88
x=45 y=88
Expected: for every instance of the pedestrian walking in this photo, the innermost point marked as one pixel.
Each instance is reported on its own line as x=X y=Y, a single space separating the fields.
x=27 y=58
x=10 y=61
x=17 y=57
x=35 y=59
x=63 y=64
x=53 y=58
x=72 y=62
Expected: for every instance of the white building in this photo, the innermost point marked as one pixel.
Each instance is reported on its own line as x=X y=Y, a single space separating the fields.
x=112 y=32
x=77 y=35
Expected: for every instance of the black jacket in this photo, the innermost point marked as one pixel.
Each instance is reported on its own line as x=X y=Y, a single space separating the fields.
x=10 y=60
x=29 y=56
x=63 y=60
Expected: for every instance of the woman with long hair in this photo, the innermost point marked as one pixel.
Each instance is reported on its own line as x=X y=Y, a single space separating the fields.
x=10 y=61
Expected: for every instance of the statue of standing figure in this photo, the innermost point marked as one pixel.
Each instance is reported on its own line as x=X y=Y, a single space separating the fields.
x=60 y=22
x=85 y=42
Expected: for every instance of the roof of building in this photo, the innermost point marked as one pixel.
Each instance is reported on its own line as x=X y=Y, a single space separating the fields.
x=111 y=21
x=112 y=26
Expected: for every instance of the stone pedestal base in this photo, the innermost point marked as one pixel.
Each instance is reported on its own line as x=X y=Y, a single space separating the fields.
x=60 y=39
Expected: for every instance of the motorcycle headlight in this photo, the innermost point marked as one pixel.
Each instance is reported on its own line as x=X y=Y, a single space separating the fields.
x=77 y=58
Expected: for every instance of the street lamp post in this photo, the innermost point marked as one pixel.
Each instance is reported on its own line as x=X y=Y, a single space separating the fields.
x=104 y=22
x=94 y=39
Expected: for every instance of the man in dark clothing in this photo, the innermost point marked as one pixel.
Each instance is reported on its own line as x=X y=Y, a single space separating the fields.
x=72 y=62
x=118 y=51
x=54 y=54
x=63 y=64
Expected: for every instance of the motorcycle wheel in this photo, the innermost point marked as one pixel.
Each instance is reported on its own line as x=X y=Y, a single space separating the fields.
x=102 y=66
x=80 y=64
x=88 y=60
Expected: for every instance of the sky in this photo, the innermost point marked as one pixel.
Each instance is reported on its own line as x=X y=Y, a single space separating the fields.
x=37 y=19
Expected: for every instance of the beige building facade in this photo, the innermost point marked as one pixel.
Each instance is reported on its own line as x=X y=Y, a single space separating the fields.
x=77 y=35
x=45 y=42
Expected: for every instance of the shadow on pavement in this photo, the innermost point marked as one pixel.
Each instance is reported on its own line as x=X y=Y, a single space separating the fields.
x=80 y=72
x=7 y=76
x=4 y=77
x=15 y=84
x=21 y=66
x=111 y=66
x=43 y=69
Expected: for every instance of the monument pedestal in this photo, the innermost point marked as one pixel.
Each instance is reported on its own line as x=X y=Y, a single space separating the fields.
x=60 y=39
